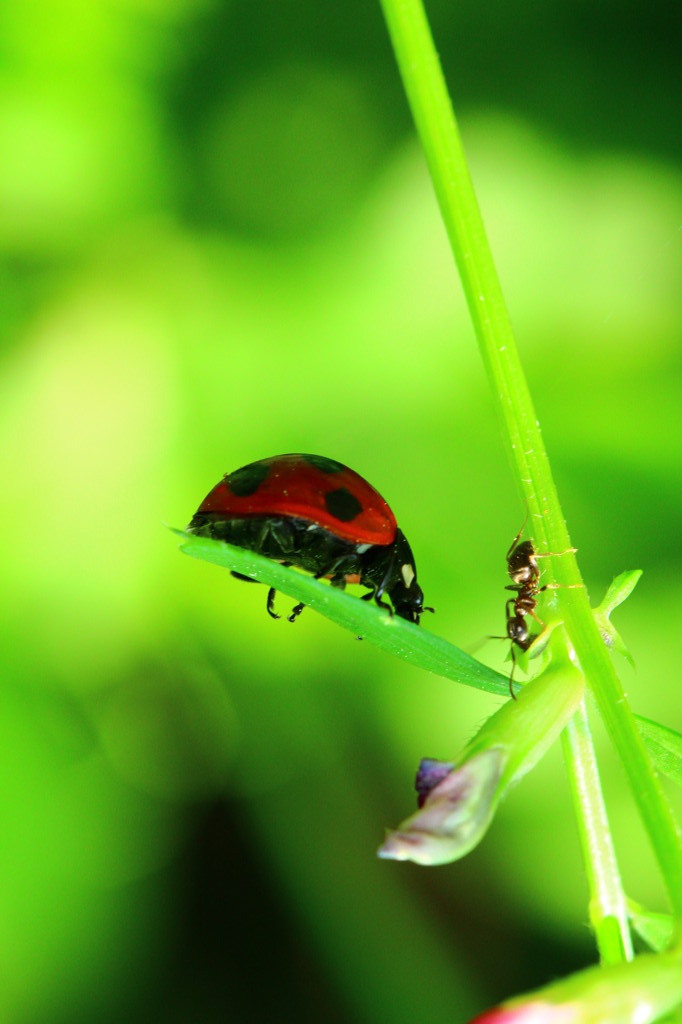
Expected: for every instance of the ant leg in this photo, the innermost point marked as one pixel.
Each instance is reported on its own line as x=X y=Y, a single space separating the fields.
x=560 y=586
x=555 y=554
x=531 y=611
x=511 y=675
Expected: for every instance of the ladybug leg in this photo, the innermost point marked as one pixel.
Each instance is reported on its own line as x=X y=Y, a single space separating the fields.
x=336 y=581
x=339 y=582
x=295 y=612
x=271 y=592
x=339 y=569
x=270 y=604
x=241 y=576
x=336 y=578
x=277 y=537
x=381 y=589
x=377 y=595
x=298 y=608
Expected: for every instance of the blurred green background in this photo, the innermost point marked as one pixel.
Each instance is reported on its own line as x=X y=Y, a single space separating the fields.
x=219 y=243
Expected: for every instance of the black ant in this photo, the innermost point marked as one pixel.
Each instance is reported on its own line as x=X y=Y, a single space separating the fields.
x=524 y=573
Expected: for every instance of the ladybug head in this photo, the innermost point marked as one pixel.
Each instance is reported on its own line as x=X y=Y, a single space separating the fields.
x=405 y=593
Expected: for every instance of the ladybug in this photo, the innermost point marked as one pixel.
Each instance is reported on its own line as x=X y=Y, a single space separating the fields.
x=317 y=514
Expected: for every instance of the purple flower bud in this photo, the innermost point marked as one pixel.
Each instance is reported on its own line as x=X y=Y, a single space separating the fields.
x=429 y=774
x=457 y=800
x=454 y=814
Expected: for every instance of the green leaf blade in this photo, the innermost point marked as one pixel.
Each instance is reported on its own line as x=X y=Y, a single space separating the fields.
x=362 y=618
x=664 y=746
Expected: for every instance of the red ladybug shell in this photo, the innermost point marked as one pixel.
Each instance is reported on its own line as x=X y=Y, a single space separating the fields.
x=309 y=487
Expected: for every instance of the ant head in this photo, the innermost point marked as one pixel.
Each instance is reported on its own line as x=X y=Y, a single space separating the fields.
x=518 y=632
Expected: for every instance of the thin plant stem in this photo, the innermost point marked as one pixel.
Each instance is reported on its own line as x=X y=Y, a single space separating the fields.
x=432 y=111
x=608 y=905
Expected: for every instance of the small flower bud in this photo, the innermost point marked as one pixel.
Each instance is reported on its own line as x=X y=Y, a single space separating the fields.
x=638 y=992
x=457 y=801
x=429 y=774
x=453 y=817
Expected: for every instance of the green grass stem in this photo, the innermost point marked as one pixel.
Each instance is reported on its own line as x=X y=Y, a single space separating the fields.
x=432 y=111
x=608 y=905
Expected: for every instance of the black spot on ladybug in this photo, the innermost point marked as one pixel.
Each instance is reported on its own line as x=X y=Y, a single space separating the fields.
x=342 y=504
x=246 y=481
x=323 y=464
